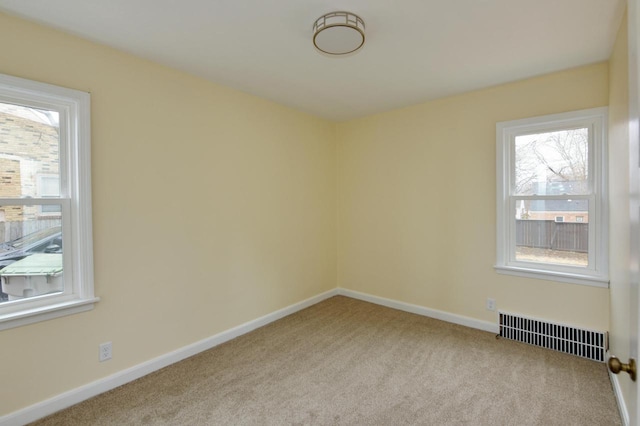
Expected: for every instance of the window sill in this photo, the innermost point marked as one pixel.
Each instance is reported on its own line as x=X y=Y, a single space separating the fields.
x=30 y=316
x=564 y=277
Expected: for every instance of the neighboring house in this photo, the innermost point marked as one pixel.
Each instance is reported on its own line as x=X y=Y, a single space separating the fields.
x=569 y=210
x=29 y=153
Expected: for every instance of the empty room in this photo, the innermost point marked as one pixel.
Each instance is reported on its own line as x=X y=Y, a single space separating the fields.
x=348 y=212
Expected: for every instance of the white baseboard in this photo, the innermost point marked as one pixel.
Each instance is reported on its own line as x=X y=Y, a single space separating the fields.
x=622 y=406
x=421 y=310
x=74 y=396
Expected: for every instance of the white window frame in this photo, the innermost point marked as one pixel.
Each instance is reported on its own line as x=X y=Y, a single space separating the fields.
x=596 y=274
x=75 y=199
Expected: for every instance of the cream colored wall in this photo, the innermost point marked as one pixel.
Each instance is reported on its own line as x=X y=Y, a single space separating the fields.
x=619 y=198
x=210 y=208
x=417 y=203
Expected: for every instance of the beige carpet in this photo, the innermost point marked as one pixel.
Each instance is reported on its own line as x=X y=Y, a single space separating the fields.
x=344 y=361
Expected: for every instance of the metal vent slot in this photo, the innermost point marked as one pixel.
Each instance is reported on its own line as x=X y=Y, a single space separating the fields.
x=584 y=343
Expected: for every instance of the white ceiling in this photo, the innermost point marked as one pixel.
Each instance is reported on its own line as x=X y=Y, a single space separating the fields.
x=416 y=50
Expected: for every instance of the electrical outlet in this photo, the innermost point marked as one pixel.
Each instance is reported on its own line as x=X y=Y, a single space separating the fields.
x=105 y=351
x=491 y=304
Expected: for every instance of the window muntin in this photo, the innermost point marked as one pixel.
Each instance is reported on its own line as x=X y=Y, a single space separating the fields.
x=551 y=201
x=45 y=200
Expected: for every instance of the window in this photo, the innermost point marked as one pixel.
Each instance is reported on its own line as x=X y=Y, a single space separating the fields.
x=46 y=260
x=552 y=197
x=49 y=187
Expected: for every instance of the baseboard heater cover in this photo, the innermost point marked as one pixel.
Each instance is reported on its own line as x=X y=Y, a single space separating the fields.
x=581 y=342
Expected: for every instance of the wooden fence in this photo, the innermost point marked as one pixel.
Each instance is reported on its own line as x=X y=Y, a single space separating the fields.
x=11 y=230
x=553 y=235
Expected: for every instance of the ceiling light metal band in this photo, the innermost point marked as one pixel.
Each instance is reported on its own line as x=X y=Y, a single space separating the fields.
x=338 y=33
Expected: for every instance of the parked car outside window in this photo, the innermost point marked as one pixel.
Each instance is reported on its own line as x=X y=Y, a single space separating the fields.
x=44 y=241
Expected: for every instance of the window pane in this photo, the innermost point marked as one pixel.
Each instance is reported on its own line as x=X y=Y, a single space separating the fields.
x=29 y=152
x=30 y=253
x=553 y=163
x=553 y=231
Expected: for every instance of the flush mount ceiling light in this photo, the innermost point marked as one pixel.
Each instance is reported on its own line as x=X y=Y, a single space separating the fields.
x=338 y=33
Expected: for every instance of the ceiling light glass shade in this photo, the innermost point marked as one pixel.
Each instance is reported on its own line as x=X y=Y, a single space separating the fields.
x=338 y=33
